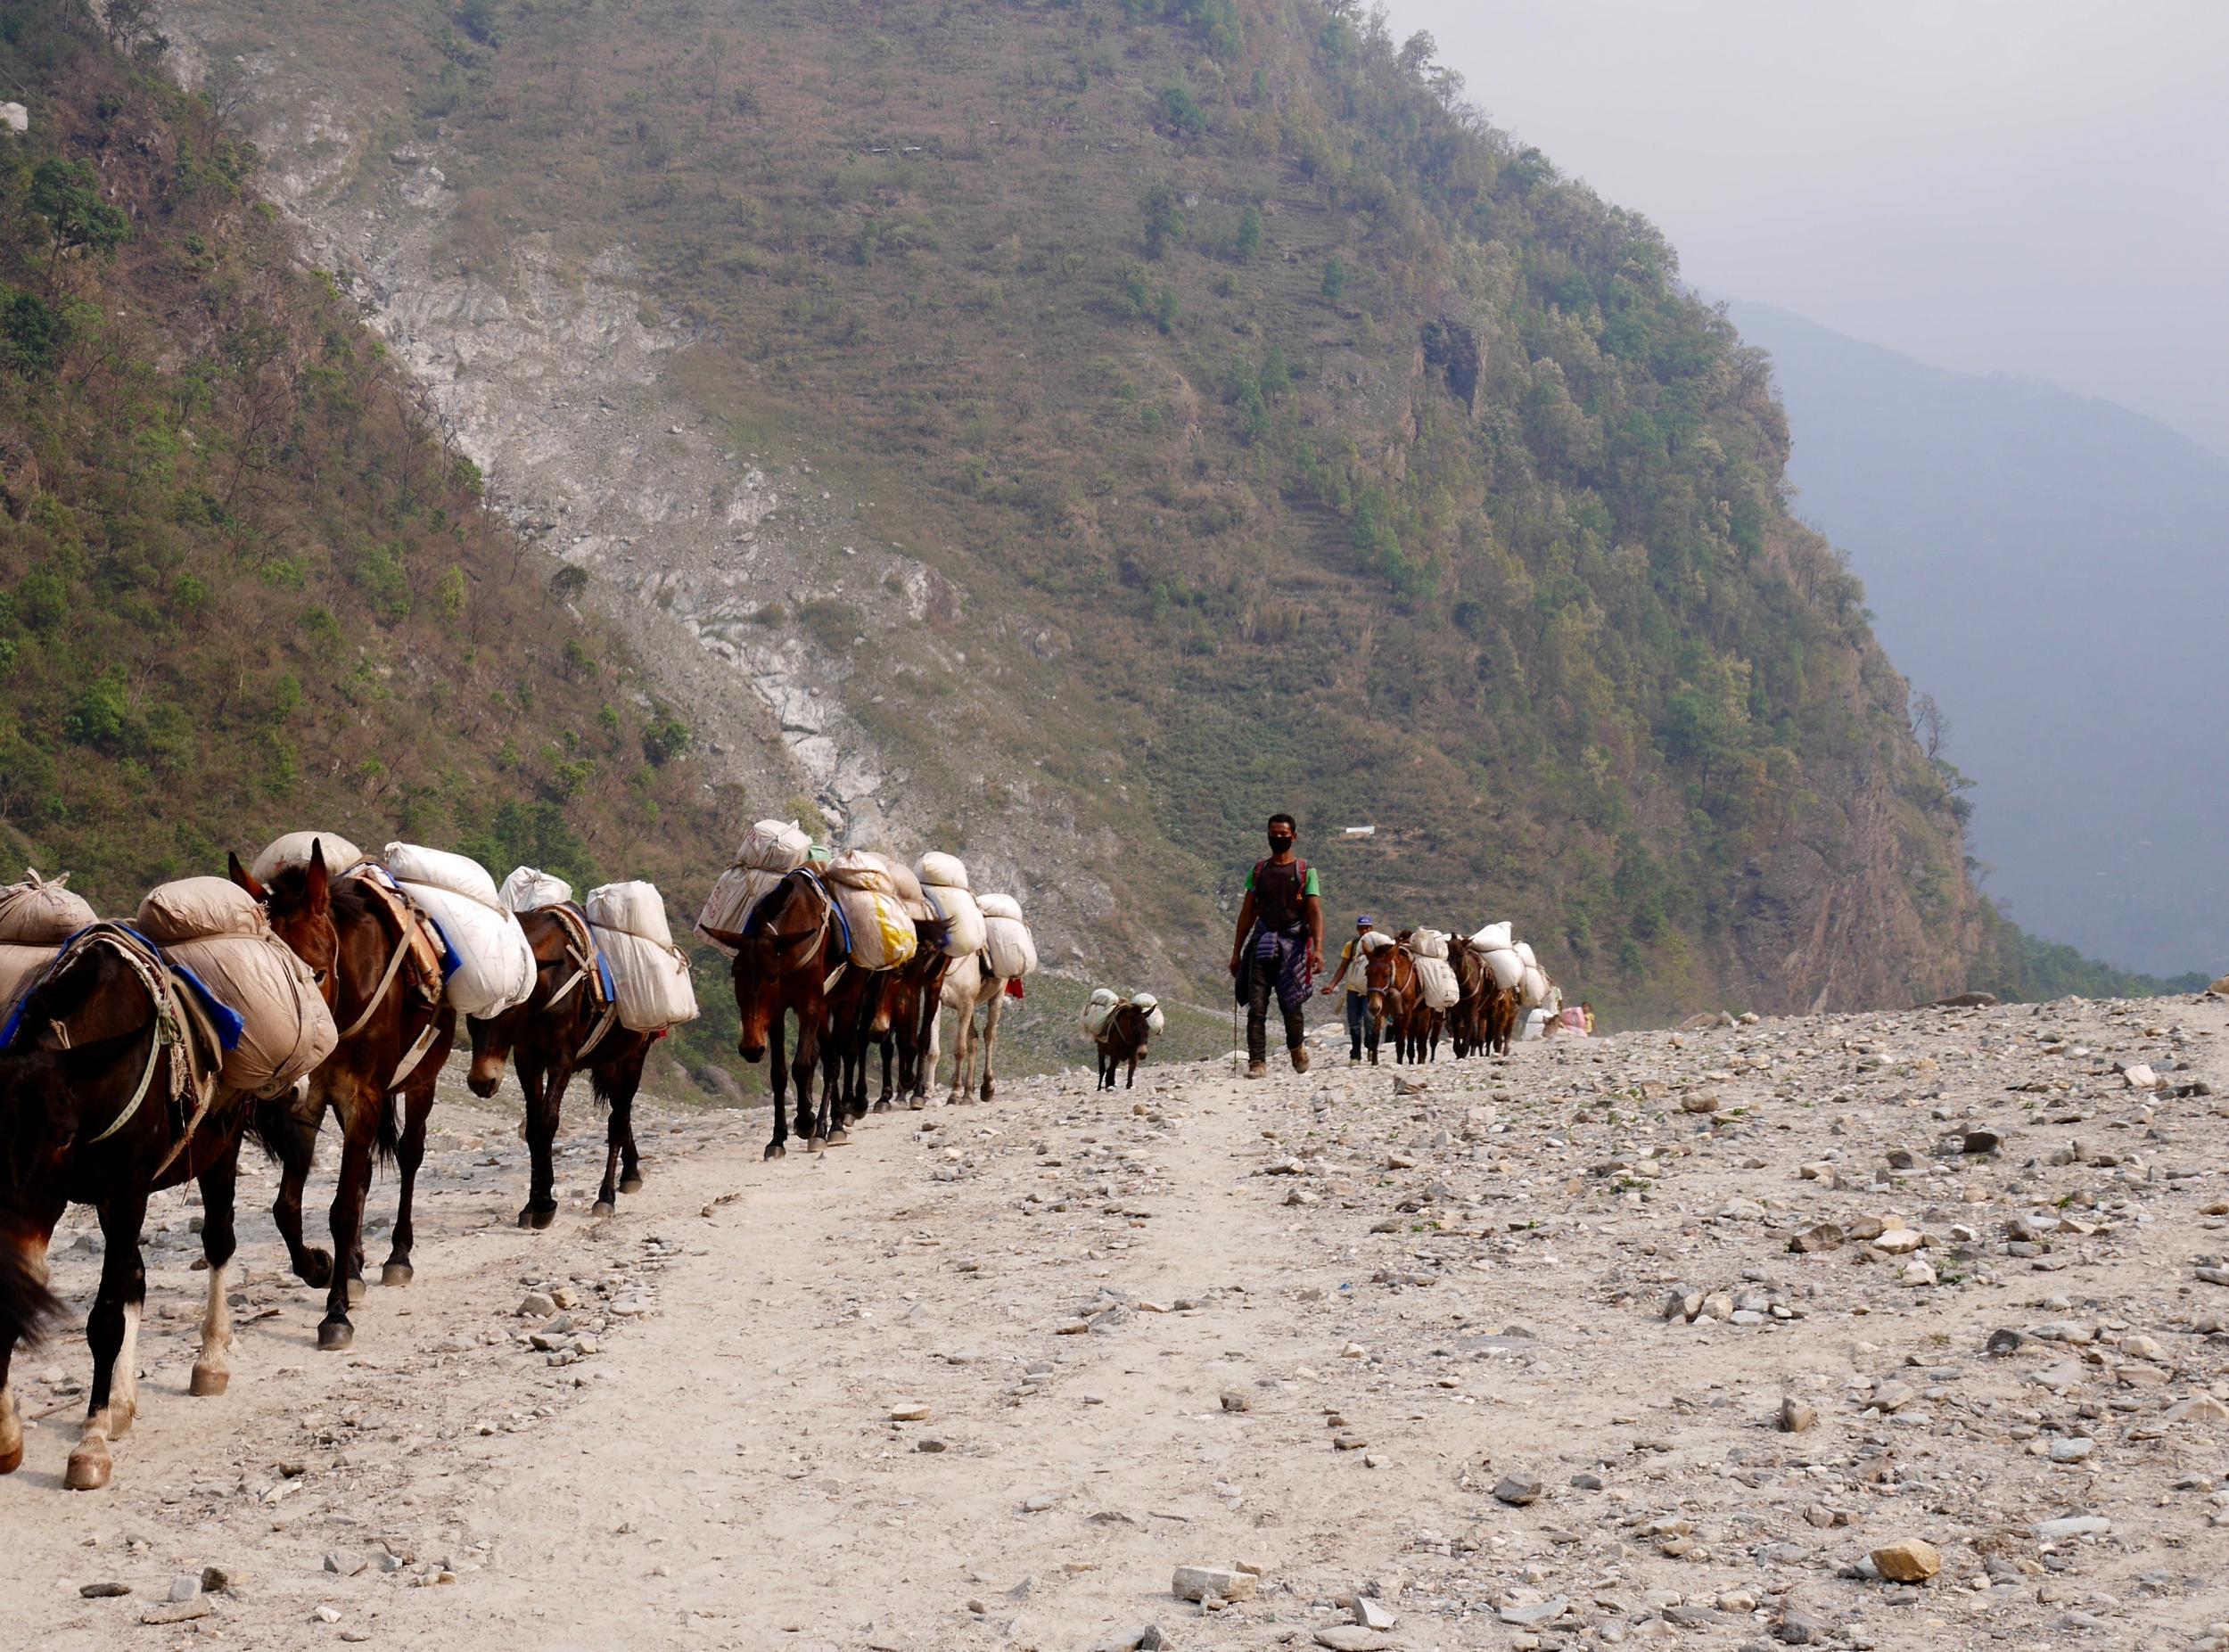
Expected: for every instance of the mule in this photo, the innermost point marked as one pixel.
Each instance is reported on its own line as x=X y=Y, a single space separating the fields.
x=1394 y=993
x=1503 y=1014
x=559 y=1029
x=783 y=956
x=89 y=1114
x=969 y=985
x=1123 y=1038
x=378 y=1082
x=911 y=999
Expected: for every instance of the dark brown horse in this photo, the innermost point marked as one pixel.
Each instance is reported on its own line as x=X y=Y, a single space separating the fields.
x=98 y=1108
x=1123 y=1038
x=914 y=996
x=1394 y=1003
x=1503 y=1013
x=548 y=1040
x=396 y=1031
x=783 y=954
x=895 y=1006
x=1474 y=982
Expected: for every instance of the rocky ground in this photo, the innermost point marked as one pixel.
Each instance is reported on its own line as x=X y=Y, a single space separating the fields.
x=1670 y=1337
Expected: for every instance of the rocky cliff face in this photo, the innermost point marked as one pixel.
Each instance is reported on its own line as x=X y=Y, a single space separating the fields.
x=944 y=514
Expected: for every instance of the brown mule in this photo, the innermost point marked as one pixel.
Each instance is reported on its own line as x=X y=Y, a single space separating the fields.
x=98 y=1107
x=783 y=954
x=396 y=1032
x=1123 y=1039
x=562 y=1028
x=1394 y=993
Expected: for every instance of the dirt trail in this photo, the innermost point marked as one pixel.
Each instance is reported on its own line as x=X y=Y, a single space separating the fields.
x=1311 y=1325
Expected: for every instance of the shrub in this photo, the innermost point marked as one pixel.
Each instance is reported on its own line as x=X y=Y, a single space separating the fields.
x=1248 y=241
x=1334 y=280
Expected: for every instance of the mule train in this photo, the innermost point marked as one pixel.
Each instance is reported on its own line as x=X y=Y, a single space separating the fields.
x=318 y=980
x=1416 y=985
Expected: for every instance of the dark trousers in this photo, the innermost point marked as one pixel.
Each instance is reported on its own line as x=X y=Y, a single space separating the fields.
x=1261 y=991
x=1357 y=1018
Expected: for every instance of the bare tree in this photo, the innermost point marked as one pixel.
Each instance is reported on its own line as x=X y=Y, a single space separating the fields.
x=1931 y=726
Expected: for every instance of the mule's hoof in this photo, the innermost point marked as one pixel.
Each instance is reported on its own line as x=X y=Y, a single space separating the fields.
x=335 y=1334
x=775 y=1150
x=397 y=1273
x=882 y=1106
x=538 y=1216
x=355 y=1291
x=315 y=1270
x=632 y=1182
x=816 y=1144
x=916 y=1104
x=604 y=1207
x=209 y=1381
x=90 y=1466
x=837 y=1137
x=11 y=1460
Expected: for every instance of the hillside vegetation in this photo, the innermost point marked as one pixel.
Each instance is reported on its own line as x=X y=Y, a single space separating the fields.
x=243 y=590
x=1292 y=438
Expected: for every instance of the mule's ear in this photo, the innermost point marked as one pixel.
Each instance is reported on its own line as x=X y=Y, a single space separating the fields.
x=316 y=884
x=239 y=875
x=728 y=938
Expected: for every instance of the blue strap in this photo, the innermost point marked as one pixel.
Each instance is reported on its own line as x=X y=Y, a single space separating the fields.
x=229 y=1022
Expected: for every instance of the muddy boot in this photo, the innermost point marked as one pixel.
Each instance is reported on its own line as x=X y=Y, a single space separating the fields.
x=1300 y=1058
x=1257 y=1069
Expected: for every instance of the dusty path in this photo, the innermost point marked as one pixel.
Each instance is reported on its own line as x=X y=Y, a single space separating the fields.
x=1149 y=1333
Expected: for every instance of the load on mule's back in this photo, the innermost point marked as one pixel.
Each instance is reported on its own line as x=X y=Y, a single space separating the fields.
x=1122 y=1025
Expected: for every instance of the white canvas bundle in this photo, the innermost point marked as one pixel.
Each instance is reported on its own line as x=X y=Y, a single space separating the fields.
x=293 y=850
x=650 y=975
x=19 y=966
x=906 y=887
x=437 y=869
x=41 y=912
x=495 y=965
x=527 y=890
x=1006 y=938
x=1493 y=938
x=1533 y=992
x=1435 y=977
x=728 y=908
x=937 y=870
x=1505 y=966
x=1099 y=1011
x=880 y=931
x=1524 y=955
x=860 y=868
x=1427 y=943
x=775 y=846
x=216 y=929
x=1155 y=1020
x=965 y=930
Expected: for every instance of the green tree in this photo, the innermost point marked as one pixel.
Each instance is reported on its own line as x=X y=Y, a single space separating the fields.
x=1180 y=111
x=1334 y=280
x=1165 y=219
x=67 y=195
x=1248 y=241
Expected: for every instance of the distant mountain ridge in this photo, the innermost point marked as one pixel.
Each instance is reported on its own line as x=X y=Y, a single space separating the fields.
x=2051 y=568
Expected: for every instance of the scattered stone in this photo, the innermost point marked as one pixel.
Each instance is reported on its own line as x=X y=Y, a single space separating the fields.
x=537 y=1305
x=1538 y=1613
x=1908 y=1560
x=1233 y=1400
x=177 y=1611
x=1197 y=1582
x=1517 y=1493
x=1700 y=1101
x=103 y=1591
x=2072 y=1526
x=1825 y=1237
x=1796 y=1418
x=1371 y=1614
x=2073 y=1448
x=909 y=1411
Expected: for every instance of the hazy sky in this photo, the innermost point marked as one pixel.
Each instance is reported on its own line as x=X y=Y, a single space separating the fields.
x=2039 y=187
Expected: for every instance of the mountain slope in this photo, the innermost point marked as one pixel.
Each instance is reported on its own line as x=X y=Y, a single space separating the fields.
x=243 y=589
x=1076 y=430
x=2049 y=567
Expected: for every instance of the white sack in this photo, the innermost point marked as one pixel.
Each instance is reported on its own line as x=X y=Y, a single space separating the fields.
x=966 y=933
x=1436 y=976
x=1000 y=905
x=495 y=968
x=1155 y=1021
x=880 y=931
x=1507 y=968
x=437 y=869
x=293 y=850
x=651 y=980
x=193 y=908
x=1493 y=938
x=1524 y=955
x=1533 y=992
x=527 y=890
x=728 y=907
x=19 y=966
x=1099 y=1011
x=42 y=913
x=860 y=868
x=937 y=870
x=1427 y=943
x=634 y=907
x=773 y=846
x=287 y=1029
x=1013 y=949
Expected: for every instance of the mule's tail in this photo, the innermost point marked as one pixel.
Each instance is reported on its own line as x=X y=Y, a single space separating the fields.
x=388 y=1140
x=28 y=1308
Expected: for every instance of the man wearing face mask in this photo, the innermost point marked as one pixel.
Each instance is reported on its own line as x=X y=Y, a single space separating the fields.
x=1279 y=946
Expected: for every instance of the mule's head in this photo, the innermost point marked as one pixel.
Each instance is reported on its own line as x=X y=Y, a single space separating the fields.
x=491 y=1042
x=298 y=902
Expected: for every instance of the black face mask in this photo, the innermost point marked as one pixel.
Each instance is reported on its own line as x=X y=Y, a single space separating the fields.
x=1279 y=842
